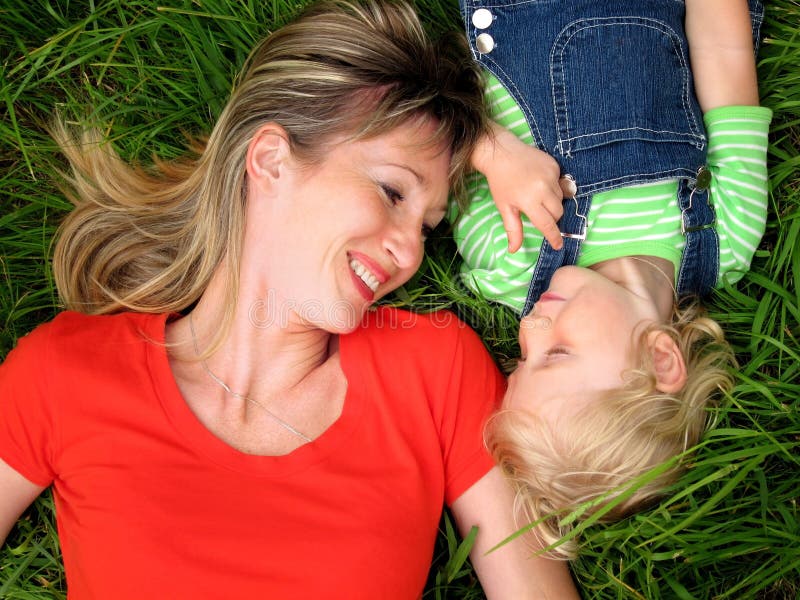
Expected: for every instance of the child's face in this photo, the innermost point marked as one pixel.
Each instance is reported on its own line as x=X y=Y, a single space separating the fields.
x=576 y=343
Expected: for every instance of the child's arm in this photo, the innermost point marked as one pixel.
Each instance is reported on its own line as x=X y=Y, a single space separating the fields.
x=522 y=179
x=721 y=52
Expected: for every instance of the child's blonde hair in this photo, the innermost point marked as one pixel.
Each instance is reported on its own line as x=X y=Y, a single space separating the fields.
x=617 y=437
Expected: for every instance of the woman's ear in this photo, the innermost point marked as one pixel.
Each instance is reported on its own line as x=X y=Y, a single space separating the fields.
x=668 y=362
x=267 y=154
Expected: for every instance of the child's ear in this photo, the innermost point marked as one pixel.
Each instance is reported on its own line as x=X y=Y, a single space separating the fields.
x=267 y=155
x=668 y=362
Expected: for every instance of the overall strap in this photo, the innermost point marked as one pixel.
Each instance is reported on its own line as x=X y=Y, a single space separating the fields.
x=573 y=225
x=700 y=260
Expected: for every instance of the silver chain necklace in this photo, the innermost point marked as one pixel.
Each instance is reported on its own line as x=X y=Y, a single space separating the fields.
x=227 y=388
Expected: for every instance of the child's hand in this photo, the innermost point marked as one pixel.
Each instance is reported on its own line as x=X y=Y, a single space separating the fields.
x=522 y=179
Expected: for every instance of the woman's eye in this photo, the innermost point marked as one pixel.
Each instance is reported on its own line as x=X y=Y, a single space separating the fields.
x=392 y=194
x=395 y=197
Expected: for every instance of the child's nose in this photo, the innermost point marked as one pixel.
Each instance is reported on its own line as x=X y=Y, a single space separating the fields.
x=532 y=328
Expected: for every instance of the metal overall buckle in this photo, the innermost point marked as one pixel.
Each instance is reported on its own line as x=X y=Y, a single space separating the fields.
x=701 y=184
x=570 y=190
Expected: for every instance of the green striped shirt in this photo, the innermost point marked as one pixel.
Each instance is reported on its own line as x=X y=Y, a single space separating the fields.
x=634 y=220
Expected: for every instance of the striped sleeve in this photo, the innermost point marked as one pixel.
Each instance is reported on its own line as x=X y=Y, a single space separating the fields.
x=737 y=158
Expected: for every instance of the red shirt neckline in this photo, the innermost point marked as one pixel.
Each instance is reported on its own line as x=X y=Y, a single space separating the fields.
x=199 y=439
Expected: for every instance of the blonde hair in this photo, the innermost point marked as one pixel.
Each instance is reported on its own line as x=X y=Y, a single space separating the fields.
x=592 y=461
x=149 y=240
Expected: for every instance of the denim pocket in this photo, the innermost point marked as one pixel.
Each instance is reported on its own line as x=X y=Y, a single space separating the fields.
x=622 y=78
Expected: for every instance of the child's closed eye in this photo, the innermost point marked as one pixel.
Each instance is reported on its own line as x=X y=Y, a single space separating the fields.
x=556 y=352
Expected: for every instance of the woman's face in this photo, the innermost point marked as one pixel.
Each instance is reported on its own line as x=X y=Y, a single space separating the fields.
x=351 y=229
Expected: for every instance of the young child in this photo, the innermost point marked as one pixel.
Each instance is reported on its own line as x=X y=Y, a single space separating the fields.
x=614 y=378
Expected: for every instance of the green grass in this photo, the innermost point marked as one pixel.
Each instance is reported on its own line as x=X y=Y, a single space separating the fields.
x=729 y=529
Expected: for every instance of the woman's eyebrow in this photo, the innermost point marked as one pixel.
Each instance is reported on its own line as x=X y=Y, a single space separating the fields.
x=419 y=177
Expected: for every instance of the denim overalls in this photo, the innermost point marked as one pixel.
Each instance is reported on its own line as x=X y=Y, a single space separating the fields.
x=610 y=96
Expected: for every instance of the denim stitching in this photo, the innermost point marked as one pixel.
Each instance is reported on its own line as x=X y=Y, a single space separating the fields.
x=559 y=46
x=664 y=131
x=485 y=61
x=632 y=179
x=517 y=95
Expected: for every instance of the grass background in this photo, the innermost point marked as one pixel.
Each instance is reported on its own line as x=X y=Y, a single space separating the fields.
x=154 y=72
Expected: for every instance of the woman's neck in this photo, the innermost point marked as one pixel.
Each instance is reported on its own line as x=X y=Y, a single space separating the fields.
x=264 y=350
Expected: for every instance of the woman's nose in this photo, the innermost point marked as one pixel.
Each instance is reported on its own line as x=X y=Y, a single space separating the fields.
x=405 y=245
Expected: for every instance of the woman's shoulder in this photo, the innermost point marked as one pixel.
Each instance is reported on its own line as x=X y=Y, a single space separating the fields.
x=429 y=337
x=434 y=355
x=72 y=331
x=75 y=347
x=405 y=325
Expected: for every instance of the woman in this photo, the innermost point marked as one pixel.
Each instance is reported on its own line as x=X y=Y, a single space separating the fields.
x=220 y=419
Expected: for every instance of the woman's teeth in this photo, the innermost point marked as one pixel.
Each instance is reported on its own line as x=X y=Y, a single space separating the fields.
x=367 y=277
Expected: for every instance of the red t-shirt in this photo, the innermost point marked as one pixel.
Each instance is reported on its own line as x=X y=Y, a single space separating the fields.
x=151 y=505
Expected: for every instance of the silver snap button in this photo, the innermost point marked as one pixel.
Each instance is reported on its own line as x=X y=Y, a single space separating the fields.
x=482 y=18
x=485 y=43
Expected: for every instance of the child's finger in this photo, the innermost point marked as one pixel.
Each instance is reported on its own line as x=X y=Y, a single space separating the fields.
x=512 y=223
x=545 y=222
x=554 y=203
